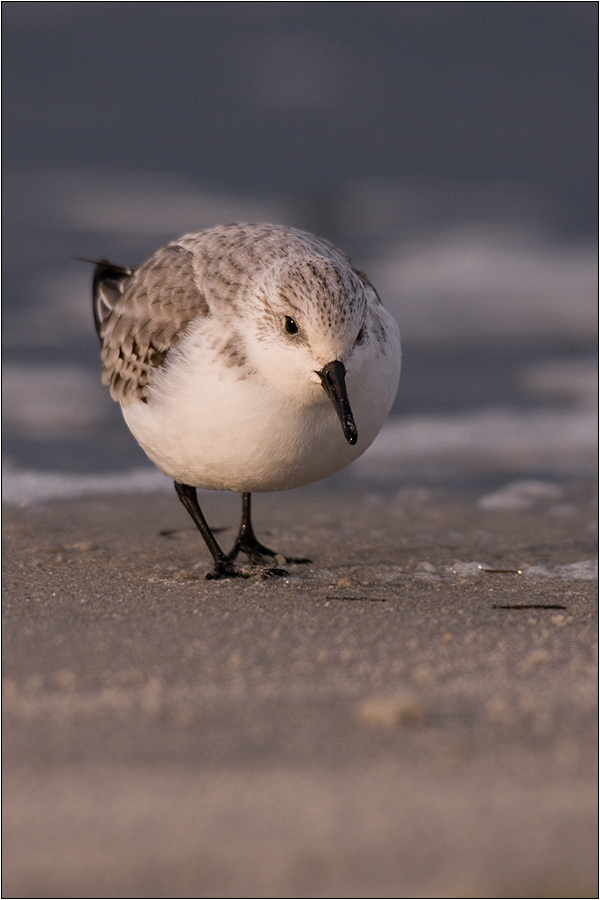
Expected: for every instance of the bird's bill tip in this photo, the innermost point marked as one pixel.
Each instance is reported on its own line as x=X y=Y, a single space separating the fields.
x=333 y=379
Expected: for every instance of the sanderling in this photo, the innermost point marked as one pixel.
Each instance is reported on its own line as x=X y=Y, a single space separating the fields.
x=236 y=354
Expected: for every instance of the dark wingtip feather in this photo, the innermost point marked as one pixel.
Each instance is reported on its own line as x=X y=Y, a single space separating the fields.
x=108 y=285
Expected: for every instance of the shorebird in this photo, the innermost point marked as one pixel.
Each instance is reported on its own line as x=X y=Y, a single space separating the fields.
x=246 y=358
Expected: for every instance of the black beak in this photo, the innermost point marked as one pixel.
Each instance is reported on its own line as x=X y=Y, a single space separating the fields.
x=333 y=379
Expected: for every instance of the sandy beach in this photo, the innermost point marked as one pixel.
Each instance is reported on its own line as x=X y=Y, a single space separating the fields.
x=390 y=721
x=414 y=713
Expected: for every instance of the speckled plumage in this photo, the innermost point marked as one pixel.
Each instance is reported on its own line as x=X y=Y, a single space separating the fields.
x=170 y=289
x=230 y=350
x=157 y=303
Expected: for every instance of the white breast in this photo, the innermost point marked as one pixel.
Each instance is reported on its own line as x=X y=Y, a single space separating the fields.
x=215 y=426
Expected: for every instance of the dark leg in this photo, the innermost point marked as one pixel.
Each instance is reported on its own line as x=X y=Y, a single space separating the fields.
x=223 y=566
x=249 y=544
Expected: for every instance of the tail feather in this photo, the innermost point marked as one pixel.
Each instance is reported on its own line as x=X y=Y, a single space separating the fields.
x=109 y=283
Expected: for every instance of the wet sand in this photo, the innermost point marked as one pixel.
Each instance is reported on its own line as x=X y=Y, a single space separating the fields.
x=386 y=722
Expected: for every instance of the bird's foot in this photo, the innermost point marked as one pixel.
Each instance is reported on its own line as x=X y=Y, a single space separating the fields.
x=258 y=554
x=226 y=569
x=273 y=572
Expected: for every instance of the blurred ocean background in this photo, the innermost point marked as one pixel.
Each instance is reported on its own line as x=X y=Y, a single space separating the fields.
x=449 y=148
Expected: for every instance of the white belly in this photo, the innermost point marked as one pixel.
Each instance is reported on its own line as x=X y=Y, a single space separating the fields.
x=204 y=426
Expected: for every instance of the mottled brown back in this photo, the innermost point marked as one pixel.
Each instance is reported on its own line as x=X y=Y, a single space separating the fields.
x=141 y=314
x=156 y=305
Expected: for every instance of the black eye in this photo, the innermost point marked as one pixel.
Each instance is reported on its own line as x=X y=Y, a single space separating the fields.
x=290 y=325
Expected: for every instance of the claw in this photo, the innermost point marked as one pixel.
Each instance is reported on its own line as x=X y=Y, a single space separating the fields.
x=228 y=570
x=225 y=569
x=274 y=572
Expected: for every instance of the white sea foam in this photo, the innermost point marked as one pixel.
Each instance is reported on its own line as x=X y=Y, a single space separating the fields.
x=476 y=282
x=483 y=271
x=583 y=570
x=406 y=447
x=442 y=281
x=571 y=380
x=126 y=203
x=521 y=495
x=24 y=486
x=499 y=439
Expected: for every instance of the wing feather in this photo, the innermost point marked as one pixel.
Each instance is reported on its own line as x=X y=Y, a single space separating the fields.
x=141 y=314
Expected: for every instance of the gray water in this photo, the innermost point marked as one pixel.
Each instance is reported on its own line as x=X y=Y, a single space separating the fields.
x=447 y=151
